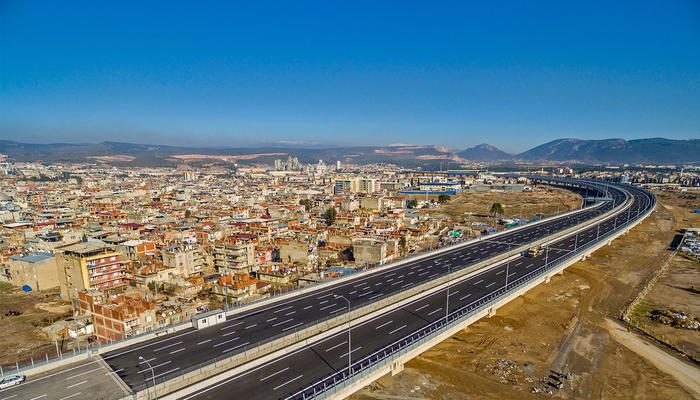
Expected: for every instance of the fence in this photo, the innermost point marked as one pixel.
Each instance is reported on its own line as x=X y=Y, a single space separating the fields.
x=365 y=367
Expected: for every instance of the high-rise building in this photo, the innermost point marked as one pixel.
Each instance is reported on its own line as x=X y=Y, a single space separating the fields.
x=346 y=185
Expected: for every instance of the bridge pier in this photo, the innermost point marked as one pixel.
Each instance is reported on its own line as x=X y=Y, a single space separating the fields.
x=492 y=312
x=546 y=280
x=396 y=367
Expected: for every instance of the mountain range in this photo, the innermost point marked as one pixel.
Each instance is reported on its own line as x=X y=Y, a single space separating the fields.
x=608 y=151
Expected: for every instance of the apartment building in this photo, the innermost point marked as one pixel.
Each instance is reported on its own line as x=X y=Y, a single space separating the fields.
x=234 y=257
x=117 y=317
x=185 y=262
x=89 y=266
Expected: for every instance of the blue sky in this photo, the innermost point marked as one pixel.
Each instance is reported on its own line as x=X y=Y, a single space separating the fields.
x=512 y=74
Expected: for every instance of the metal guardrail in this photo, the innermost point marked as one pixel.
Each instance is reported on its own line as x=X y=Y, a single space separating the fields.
x=292 y=335
x=90 y=349
x=246 y=352
x=364 y=367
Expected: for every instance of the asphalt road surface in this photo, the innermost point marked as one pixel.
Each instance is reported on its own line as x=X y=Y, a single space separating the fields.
x=328 y=359
x=175 y=353
x=85 y=380
x=188 y=349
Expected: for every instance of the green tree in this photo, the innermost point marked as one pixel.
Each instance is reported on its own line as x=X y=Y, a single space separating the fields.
x=330 y=214
x=188 y=213
x=443 y=198
x=413 y=203
x=496 y=208
x=402 y=243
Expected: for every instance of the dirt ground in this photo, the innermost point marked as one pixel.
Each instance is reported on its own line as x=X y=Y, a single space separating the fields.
x=21 y=335
x=563 y=325
x=471 y=204
x=673 y=289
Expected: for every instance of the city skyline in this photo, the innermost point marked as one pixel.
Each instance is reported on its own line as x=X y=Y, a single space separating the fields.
x=455 y=75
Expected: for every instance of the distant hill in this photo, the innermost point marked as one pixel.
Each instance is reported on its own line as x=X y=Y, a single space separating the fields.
x=152 y=155
x=609 y=151
x=484 y=152
x=655 y=150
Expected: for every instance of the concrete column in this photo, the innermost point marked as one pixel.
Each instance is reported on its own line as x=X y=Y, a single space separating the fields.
x=546 y=280
x=396 y=367
x=492 y=312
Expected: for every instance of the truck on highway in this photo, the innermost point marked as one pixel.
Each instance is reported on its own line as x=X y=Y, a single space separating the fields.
x=533 y=251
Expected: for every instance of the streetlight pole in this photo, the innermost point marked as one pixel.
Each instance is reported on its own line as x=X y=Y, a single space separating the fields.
x=447 y=300
x=507 y=267
x=153 y=376
x=349 y=343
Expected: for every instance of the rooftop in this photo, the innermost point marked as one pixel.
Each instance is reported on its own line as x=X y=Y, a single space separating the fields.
x=87 y=248
x=32 y=257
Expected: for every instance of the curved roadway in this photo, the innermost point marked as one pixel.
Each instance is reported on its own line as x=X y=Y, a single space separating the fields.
x=328 y=358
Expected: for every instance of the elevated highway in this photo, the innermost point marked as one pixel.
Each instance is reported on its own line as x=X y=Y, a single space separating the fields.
x=321 y=369
x=250 y=328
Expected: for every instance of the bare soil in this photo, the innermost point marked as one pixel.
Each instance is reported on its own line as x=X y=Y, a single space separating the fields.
x=22 y=337
x=562 y=325
x=674 y=290
x=529 y=204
